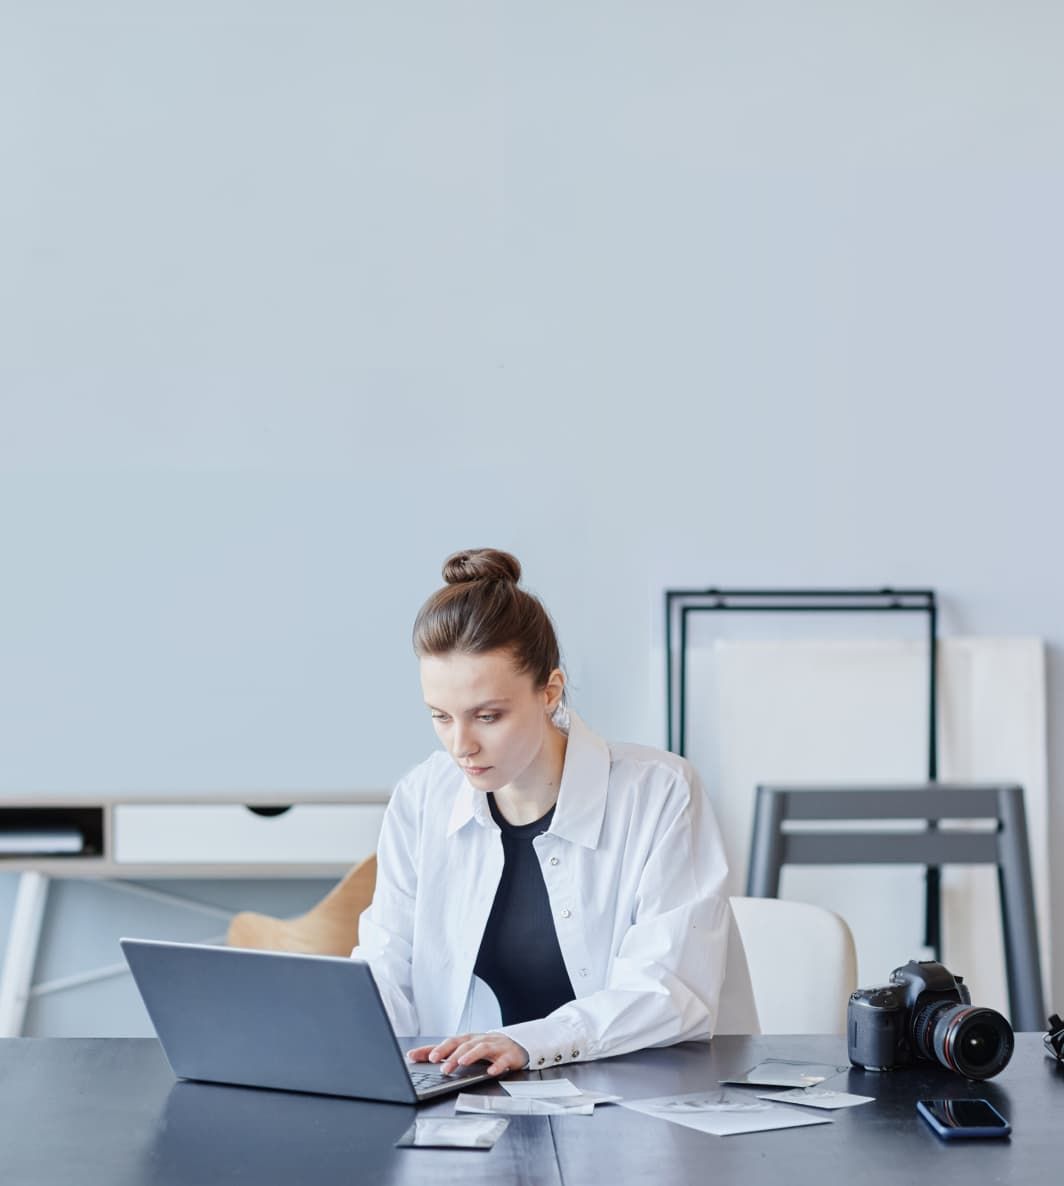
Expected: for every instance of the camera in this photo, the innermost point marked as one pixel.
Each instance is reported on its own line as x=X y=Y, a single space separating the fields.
x=926 y=1014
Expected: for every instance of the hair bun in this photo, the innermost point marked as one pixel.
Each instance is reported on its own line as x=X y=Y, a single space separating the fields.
x=481 y=564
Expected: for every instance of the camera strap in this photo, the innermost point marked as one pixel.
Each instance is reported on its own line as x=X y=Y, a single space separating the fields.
x=1054 y=1040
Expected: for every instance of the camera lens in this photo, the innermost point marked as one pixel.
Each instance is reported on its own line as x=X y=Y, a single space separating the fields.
x=976 y=1043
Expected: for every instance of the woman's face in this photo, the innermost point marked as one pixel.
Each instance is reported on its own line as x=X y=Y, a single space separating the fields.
x=491 y=718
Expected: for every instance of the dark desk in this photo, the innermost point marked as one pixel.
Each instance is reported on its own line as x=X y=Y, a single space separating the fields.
x=875 y=1144
x=107 y=1112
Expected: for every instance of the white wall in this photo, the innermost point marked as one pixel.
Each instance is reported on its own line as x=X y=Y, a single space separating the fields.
x=297 y=298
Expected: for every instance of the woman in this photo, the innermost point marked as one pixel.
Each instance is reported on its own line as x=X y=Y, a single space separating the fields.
x=542 y=896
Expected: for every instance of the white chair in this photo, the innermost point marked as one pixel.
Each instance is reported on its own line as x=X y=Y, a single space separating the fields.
x=791 y=968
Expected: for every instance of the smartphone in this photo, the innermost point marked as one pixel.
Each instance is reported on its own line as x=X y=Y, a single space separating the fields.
x=952 y=1119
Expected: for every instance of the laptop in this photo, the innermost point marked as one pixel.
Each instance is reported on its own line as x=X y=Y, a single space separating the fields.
x=276 y=1019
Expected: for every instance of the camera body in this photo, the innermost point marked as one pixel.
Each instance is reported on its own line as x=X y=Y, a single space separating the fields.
x=925 y=1014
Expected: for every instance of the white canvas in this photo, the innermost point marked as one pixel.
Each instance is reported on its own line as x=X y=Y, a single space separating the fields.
x=992 y=714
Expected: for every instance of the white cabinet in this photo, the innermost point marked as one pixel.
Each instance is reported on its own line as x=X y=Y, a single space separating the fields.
x=231 y=834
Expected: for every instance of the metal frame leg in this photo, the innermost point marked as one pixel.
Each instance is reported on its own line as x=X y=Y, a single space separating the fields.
x=766 y=845
x=1018 y=923
x=21 y=955
x=109 y=971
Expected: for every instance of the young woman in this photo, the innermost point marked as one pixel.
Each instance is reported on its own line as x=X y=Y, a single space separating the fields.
x=542 y=896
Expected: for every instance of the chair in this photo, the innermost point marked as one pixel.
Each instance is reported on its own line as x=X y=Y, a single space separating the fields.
x=791 y=968
x=330 y=928
x=818 y=840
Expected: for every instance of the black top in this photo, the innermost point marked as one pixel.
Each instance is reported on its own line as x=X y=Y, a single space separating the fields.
x=519 y=958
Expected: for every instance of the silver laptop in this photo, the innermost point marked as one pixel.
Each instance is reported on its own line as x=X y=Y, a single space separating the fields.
x=275 y=1019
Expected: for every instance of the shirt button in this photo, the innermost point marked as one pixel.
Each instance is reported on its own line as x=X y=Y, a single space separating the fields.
x=576 y=1054
x=554 y=860
x=583 y=971
x=557 y=1058
x=567 y=914
x=541 y=1062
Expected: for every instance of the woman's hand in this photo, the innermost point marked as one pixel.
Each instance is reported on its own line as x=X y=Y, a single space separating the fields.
x=502 y=1052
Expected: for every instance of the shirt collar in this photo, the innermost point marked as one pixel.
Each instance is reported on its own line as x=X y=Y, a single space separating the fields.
x=581 y=796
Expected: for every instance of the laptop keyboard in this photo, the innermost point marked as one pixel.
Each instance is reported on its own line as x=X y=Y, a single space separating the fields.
x=427 y=1080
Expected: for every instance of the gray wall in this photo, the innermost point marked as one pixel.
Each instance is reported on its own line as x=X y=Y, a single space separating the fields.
x=297 y=298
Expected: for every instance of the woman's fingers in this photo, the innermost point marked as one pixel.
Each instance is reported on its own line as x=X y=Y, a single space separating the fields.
x=437 y=1052
x=447 y=1047
x=502 y=1053
x=513 y=1058
x=471 y=1052
x=457 y=1055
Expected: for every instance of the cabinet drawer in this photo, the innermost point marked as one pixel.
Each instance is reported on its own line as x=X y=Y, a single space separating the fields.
x=230 y=834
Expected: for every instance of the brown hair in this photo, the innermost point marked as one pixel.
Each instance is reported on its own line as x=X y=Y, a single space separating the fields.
x=481 y=608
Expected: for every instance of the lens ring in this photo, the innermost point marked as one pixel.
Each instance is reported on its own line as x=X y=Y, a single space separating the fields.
x=924 y=1028
x=955 y=1026
x=949 y=1038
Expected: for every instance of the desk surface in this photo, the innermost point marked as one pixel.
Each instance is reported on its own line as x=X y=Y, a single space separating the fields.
x=109 y=1112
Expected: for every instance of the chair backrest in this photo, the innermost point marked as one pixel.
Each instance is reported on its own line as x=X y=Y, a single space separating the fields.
x=737 y=1011
x=791 y=969
x=886 y=836
x=329 y=928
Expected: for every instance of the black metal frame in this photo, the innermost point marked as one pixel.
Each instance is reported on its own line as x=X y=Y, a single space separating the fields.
x=679 y=603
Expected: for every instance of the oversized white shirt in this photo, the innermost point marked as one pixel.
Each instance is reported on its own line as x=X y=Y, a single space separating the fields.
x=634 y=868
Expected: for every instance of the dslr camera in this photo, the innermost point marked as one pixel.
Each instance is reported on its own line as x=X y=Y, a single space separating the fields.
x=926 y=1014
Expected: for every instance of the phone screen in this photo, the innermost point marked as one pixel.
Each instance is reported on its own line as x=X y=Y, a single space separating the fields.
x=965 y=1114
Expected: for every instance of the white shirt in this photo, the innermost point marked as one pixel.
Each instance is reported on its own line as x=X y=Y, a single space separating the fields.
x=634 y=868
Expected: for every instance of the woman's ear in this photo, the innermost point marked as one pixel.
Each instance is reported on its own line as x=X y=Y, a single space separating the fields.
x=553 y=690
